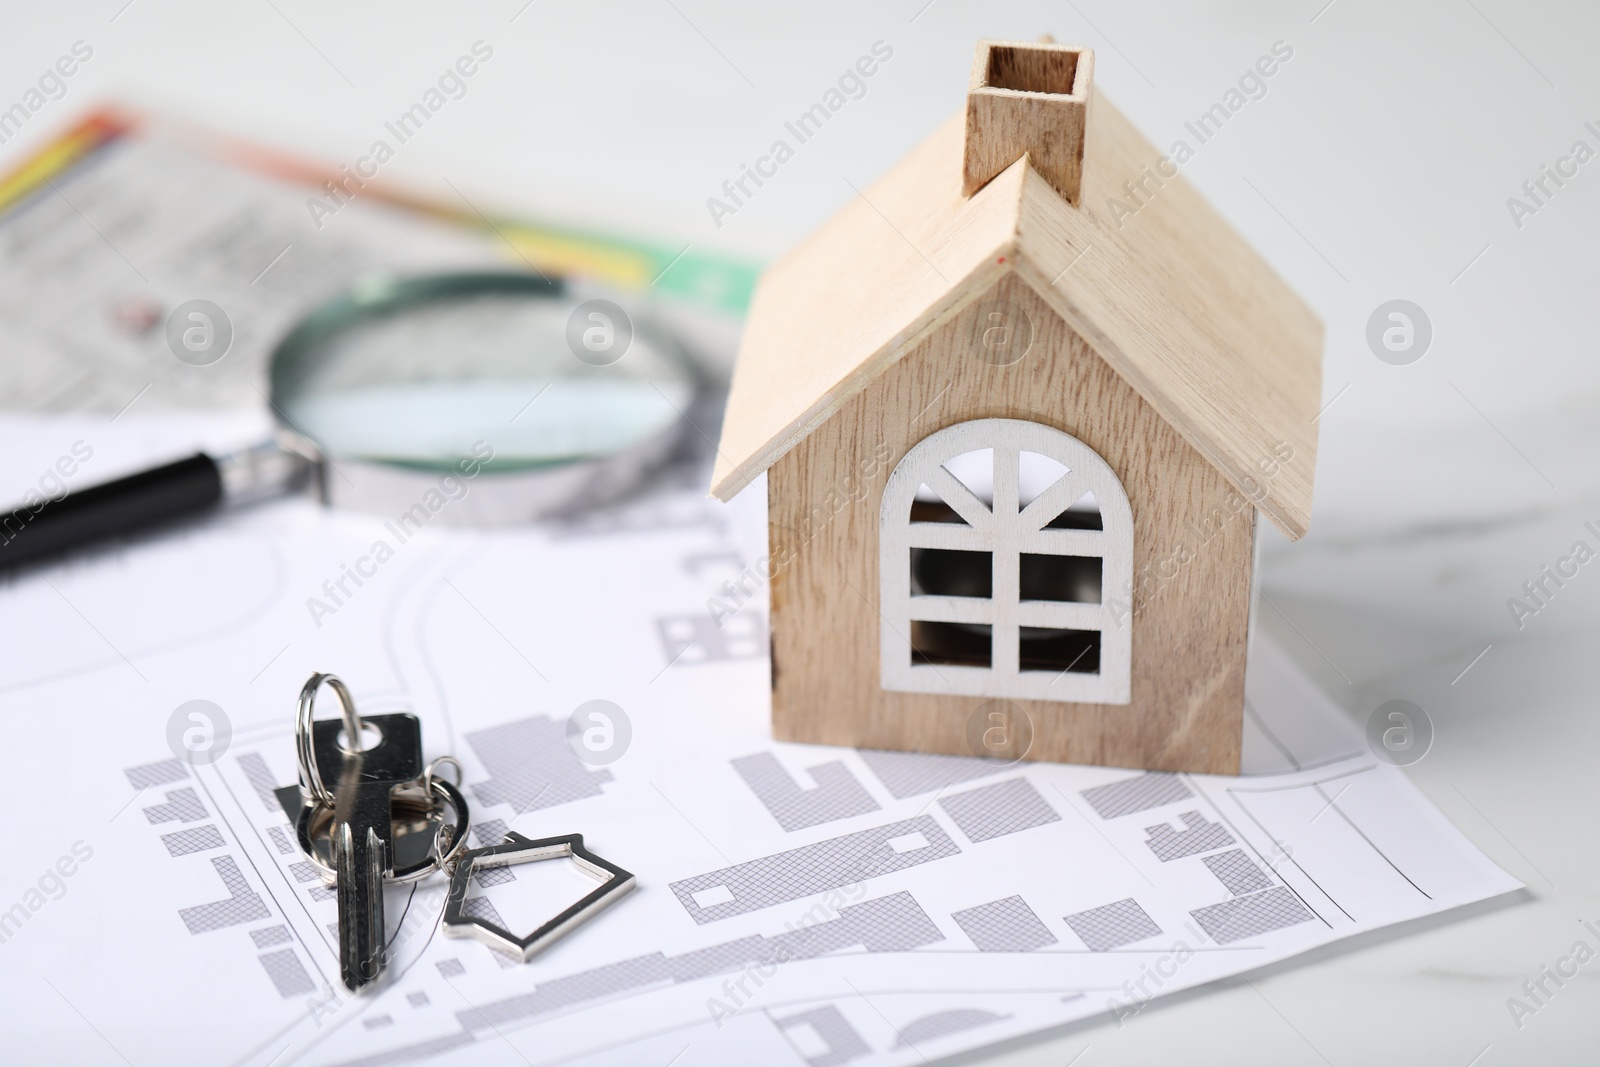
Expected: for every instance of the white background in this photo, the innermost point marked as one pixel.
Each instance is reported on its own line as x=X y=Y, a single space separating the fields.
x=1377 y=166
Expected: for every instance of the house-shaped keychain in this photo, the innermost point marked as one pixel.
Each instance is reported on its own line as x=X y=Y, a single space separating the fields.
x=1019 y=403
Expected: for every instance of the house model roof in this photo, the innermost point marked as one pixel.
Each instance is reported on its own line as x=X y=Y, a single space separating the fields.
x=1160 y=286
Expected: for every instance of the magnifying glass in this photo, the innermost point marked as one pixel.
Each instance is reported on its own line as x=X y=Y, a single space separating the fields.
x=482 y=398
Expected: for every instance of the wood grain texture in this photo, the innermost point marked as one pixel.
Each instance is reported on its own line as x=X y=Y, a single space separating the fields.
x=1169 y=295
x=1186 y=311
x=844 y=304
x=1193 y=538
x=1028 y=98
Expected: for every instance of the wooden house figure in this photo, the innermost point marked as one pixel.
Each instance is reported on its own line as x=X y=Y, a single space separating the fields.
x=1019 y=403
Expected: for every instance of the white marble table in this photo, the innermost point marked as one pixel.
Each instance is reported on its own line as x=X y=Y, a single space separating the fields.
x=1377 y=165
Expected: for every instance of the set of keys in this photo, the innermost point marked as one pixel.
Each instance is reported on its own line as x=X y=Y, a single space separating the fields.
x=369 y=812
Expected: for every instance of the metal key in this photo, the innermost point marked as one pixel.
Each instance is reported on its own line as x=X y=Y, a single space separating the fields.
x=362 y=852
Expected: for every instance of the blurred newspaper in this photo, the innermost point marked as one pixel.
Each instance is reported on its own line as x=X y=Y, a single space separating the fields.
x=123 y=218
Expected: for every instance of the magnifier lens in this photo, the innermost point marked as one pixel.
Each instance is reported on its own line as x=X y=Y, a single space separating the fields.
x=422 y=373
x=548 y=404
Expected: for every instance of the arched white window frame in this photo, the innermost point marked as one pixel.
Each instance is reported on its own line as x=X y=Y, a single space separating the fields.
x=1006 y=531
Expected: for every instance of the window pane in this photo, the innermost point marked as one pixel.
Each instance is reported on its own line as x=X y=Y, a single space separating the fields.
x=1070 y=578
x=957 y=644
x=1082 y=515
x=934 y=510
x=948 y=572
x=1073 y=651
x=1035 y=474
x=975 y=470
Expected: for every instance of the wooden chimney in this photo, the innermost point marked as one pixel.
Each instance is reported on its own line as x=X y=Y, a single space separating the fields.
x=1028 y=99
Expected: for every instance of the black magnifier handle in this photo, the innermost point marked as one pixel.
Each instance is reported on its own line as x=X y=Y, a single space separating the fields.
x=160 y=495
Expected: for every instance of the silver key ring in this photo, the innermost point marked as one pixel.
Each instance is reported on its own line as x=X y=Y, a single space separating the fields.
x=450 y=840
x=429 y=773
x=310 y=777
